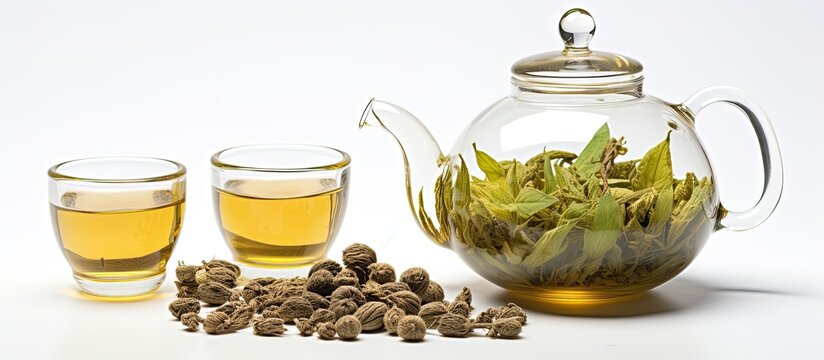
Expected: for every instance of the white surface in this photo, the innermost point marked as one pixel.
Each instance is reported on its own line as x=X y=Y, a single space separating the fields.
x=181 y=80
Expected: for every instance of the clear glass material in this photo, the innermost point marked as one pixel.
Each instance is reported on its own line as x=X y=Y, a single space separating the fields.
x=117 y=220
x=622 y=231
x=280 y=205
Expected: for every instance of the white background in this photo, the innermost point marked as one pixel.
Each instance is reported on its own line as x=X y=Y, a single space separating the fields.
x=181 y=80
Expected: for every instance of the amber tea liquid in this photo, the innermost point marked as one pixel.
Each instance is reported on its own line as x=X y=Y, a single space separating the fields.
x=279 y=222
x=112 y=237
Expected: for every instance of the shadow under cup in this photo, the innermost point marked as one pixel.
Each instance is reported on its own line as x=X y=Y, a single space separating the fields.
x=280 y=205
x=116 y=220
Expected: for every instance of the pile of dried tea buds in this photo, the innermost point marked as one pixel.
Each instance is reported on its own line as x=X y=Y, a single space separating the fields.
x=333 y=301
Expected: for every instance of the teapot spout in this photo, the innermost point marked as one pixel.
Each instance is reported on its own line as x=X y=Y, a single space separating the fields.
x=423 y=163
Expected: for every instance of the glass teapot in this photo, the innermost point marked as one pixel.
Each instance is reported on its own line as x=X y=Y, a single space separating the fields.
x=576 y=187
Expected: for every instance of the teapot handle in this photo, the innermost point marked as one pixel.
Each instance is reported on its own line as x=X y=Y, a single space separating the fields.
x=770 y=153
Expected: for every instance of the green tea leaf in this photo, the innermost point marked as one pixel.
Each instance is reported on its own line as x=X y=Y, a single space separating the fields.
x=461 y=194
x=551 y=244
x=588 y=162
x=512 y=180
x=655 y=168
x=488 y=165
x=529 y=201
x=606 y=227
x=661 y=212
x=550 y=184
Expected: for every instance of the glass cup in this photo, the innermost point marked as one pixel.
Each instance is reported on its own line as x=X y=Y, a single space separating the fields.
x=117 y=220
x=280 y=205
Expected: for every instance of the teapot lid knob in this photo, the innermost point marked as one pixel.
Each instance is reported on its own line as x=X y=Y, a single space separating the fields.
x=577 y=28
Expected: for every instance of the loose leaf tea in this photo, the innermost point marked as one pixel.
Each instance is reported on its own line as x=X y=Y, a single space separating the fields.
x=574 y=220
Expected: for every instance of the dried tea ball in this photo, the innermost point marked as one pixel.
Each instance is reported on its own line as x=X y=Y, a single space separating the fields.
x=331 y=266
x=391 y=318
x=362 y=274
x=348 y=292
x=511 y=311
x=432 y=293
x=486 y=316
x=372 y=291
x=343 y=307
x=393 y=287
x=269 y=327
x=417 y=279
x=454 y=325
x=359 y=256
x=241 y=317
x=322 y=316
x=214 y=293
x=321 y=282
x=186 y=290
x=270 y=312
x=460 y=307
x=304 y=326
x=508 y=328
x=370 y=315
x=317 y=301
x=230 y=306
x=381 y=273
x=432 y=312
x=191 y=320
x=217 y=323
x=221 y=275
x=346 y=277
x=295 y=307
x=465 y=295
x=186 y=273
x=255 y=288
x=411 y=328
x=406 y=301
x=178 y=307
x=326 y=331
x=215 y=263
x=348 y=327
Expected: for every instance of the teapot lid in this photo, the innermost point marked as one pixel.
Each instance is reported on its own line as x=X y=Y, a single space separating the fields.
x=577 y=69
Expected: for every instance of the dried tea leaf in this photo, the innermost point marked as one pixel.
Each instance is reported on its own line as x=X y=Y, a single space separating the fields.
x=655 y=168
x=588 y=162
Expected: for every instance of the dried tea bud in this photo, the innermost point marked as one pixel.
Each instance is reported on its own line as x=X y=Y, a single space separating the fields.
x=508 y=328
x=486 y=316
x=214 y=293
x=304 y=326
x=381 y=273
x=184 y=305
x=411 y=328
x=359 y=256
x=221 y=275
x=331 y=266
x=417 y=279
x=391 y=318
x=370 y=315
x=432 y=312
x=393 y=287
x=317 y=301
x=372 y=291
x=407 y=301
x=269 y=327
x=266 y=301
x=241 y=317
x=215 y=263
x=230 y=306
x=255 y=288
x=343 y=307
x=433 y=293
x=270 y=312
x=465 y=295
x=348 y=292
x=295 y=307
x=186 y=273
x=461 y=308
x=322 y=316
x=326 y=331
x=321 y=282
x=348 y=327
x=217 y=323
x=346 y=277
x=454 y=325
x=186 y=290
x=191 y=321
x=511 y=311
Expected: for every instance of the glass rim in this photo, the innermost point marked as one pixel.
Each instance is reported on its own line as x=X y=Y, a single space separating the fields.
x=179 y=172
x=342 y=163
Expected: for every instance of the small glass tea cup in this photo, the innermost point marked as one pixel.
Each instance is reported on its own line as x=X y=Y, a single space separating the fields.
x=280 y=205
x=117 y=220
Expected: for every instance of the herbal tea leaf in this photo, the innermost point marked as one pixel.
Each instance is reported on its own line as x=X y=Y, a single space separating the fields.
x=488 y=165
x=529 y=201
x=661 y=212
x=587 y=162
x=550 y=184
x=655 y=168
x=512 y=182
x=461 y=194
x=551 y=244
x=606 y=226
